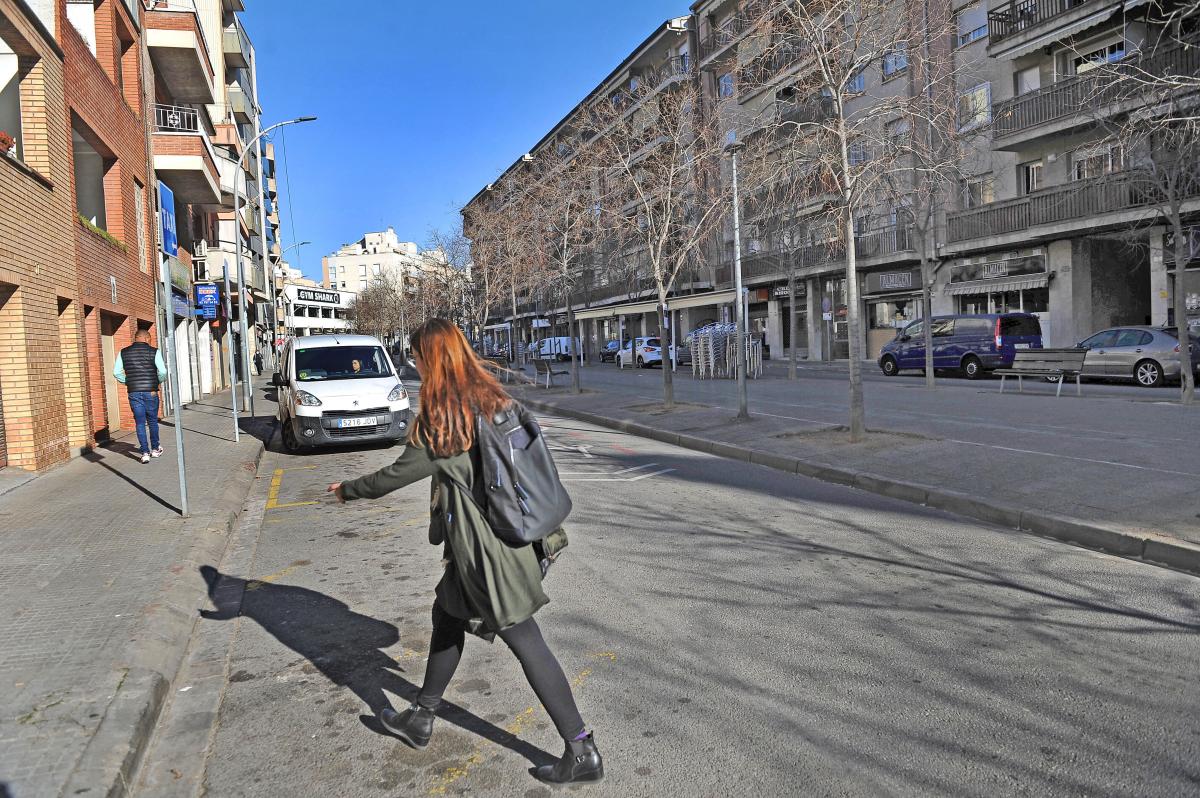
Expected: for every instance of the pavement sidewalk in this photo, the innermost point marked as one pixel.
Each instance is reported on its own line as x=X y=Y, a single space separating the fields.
x=1157 y=513
x=98 y=596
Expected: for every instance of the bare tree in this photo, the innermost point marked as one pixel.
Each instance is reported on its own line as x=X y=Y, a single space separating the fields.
x=1147 y=107
x=840 y=59
x=656 y=162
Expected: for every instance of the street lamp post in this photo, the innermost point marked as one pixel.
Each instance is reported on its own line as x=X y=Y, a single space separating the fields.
x=733 y=149
x=247 y=384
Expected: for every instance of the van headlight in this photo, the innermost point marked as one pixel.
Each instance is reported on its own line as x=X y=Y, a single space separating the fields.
x=306 y=399
x=397 y=394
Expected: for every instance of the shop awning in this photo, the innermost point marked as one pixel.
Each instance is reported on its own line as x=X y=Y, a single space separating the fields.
x=502 y=326
x=674 y=303
x=992 y=286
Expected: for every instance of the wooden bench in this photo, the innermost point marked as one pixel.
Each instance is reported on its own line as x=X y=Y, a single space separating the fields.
x=1056 y=364
x=543 y=367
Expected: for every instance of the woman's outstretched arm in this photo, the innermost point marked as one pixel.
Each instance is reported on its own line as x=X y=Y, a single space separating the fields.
x=413 y=465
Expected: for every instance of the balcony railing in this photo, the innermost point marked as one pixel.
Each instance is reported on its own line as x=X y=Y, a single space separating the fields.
x=1100 y=87
x=720 y=38
x=871 y=244
x=1080 y=199
x=770 y=64
x=674 y=67
x=1017 y=16
x=176 y=119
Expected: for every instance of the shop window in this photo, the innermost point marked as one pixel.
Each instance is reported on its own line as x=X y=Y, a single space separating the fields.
x=1035 y=300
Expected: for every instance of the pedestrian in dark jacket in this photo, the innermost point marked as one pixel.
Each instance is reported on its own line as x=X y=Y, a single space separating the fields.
x=140 y=369
x=488 y=587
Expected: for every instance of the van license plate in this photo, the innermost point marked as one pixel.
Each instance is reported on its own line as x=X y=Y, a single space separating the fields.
x=1020 y=346
x=368 y=421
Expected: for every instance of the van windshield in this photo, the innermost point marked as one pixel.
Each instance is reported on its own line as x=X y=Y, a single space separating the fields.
x=341 y=363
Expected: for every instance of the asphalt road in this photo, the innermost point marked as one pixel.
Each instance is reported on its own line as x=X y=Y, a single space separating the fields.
x=730 y=630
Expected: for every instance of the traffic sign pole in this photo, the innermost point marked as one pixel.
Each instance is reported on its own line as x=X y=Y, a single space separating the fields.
x=170 y=248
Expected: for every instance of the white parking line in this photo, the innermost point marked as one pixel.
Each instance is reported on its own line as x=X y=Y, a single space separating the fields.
x=1069 y=457
x=620 y=479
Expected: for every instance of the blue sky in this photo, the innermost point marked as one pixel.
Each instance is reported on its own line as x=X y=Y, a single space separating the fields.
x=420 y=103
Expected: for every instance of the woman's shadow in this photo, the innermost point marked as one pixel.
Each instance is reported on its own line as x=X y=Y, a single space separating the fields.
x=345 y=646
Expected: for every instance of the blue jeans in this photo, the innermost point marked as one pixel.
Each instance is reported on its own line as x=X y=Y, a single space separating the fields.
x=145 y=414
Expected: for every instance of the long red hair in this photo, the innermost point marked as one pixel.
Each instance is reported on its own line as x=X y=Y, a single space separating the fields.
x=455 y=385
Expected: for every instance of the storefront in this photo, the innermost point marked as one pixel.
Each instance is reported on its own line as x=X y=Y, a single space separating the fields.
x=1004 y=283
x=835 y=319
x=781 y=294
x=893 y=299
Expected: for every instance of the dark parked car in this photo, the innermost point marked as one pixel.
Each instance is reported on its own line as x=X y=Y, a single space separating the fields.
x=973 y=344
x=609 y=353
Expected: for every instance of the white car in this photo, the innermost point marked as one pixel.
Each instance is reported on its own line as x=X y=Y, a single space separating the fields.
x=339 y=389
x=640 y=353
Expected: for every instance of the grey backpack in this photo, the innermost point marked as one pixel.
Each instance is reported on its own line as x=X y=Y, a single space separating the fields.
x=523 y=499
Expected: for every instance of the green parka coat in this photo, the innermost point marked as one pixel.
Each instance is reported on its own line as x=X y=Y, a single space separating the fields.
x=487 y=582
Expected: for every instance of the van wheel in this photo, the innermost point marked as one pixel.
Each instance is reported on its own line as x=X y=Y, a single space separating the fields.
x=1148 y=374
x=972 y=368
x=889 y=367
x=290 y=442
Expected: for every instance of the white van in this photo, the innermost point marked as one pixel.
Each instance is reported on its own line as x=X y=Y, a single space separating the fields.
x=554 y=348
x=339 y=389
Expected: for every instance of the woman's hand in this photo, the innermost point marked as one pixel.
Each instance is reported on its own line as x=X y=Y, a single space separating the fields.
x=336 y=490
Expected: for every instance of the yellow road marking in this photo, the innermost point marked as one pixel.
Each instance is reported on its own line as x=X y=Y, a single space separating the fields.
x=517 y=725
x=255 y=584
x=276 y=481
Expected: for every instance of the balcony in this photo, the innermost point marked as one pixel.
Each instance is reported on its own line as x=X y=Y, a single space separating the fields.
x=765 y=68
x=184 y=157
x=1082 y=202
x=670 y=69
x=236 y=45
x=179 y=51
x=875 y=247
x=1017 y=25
x=720 y=38
x=240 y=104
x=1072 y=103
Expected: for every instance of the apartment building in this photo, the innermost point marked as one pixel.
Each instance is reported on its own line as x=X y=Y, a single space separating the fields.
x=1042 y=218
x=1053 y=222
x=613 y=274
x=116 y=116
x=376 y=255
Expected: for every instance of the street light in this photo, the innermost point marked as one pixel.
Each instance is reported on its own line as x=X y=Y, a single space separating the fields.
x=733 y=148
x=247 y=385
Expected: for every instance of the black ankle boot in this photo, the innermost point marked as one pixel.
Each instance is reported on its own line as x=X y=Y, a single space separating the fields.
x=580 y=762
x=414 y=725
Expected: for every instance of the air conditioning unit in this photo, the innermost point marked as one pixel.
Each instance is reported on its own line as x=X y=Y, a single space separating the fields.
x=201 y=249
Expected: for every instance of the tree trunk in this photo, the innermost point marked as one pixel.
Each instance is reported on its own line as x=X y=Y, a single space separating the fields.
x=576 y=387
x=512 y=328
x=664 y=340
x=927 y=312
x=858 y=423
x=793 y=328
x=1187 y=380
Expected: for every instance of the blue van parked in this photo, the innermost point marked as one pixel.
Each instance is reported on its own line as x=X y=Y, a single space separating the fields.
x=972 y=344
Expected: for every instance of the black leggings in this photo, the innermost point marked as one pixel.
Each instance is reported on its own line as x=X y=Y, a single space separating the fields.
x=542 y=670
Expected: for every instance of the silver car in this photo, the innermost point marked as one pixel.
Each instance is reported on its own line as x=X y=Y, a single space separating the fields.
x=1147 y=355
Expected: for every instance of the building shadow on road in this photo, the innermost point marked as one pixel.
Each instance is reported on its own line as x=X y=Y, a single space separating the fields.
x=345 y=646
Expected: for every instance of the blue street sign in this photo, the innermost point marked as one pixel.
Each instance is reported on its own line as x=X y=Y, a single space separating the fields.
x=180 y=305
x=208 y=299
x=166 y=212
